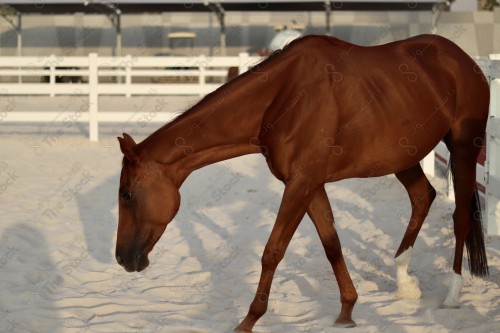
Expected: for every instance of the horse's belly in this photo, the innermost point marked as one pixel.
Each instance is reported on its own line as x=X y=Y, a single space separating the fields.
x=385 y=147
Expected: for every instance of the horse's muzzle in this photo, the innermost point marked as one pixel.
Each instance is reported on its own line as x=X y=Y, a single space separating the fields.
x=139 y=263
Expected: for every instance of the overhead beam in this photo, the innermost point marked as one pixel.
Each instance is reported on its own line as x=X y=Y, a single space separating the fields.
x=201 y=6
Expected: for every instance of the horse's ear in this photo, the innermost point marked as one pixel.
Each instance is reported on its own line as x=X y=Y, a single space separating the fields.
x=127 y=145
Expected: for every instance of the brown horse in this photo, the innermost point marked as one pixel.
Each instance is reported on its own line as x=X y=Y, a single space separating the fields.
x=322 y=110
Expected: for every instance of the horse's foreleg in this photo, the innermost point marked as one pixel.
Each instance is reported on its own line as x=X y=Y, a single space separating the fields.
x=321 y=214
x=291 y=212
x=421 y=195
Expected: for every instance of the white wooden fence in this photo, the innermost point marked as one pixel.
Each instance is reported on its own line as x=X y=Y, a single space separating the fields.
x=493 y=161
x=115 y=76
x=488 y=175
x=198 y=75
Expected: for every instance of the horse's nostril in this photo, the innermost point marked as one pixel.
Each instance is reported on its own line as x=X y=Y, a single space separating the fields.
x=119 y=260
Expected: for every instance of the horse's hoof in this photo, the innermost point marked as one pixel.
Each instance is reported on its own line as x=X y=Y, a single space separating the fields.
x=344 y=324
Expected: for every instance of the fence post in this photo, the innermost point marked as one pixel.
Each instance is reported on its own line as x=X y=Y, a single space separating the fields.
x=202 y=80
x=128 y=76
x=52 y=75
x=492 y=164
x=428 y=164
x=243 y=62
x=451 y=187
x=93 y=98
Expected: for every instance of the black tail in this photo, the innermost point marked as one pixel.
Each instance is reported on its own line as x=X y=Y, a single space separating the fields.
x=476 y=251
x=478 y=263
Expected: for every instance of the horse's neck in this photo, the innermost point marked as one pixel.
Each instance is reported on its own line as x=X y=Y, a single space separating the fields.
x=225 y=124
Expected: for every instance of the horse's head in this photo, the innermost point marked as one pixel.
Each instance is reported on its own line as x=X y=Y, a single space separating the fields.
x=148 y=201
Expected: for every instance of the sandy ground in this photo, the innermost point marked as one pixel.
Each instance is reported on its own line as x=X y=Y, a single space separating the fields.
x=58 y=204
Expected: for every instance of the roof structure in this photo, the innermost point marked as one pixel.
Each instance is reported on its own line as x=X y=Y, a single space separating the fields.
x=155 y=6
x=14 y=10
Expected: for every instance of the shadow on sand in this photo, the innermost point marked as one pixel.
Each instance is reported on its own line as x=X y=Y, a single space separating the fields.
x=30 y=282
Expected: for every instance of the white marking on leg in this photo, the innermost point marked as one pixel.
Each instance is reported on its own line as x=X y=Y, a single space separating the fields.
x=456 y=283
x=407 y=284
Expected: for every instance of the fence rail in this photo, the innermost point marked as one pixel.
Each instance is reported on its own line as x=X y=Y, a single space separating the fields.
x=95 y=76
x=493 y=161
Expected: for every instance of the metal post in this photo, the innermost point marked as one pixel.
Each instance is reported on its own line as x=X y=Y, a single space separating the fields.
x=221 y=17
x=19 y=35
x=223 y=42
x=19 y=41
x=328 y=12
x=118 y=27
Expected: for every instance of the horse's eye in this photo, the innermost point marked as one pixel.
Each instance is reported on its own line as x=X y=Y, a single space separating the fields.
x=126 y=196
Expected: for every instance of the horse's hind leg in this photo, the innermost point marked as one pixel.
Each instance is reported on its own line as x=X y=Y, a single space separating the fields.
x=321 y=214
x=467 y=215
x=421 y=195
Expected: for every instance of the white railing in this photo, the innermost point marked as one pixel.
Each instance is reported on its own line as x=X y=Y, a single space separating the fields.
x=488 y=176
x=199 y=76
x=124 y=76
x=493 y=161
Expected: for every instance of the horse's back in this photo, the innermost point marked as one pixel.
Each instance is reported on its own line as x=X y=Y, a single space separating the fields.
x=394 y=101
x=420 y=53
x=381 y=108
